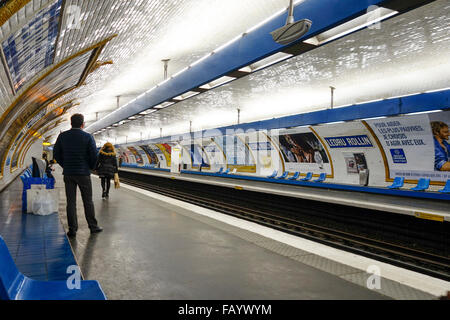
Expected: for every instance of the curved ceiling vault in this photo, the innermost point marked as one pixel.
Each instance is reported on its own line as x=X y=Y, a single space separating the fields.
x=35 y=79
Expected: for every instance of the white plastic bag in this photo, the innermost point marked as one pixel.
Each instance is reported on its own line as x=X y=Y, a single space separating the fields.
x=43 y=201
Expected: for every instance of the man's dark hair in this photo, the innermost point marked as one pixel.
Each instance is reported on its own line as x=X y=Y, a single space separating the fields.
x=77 y=120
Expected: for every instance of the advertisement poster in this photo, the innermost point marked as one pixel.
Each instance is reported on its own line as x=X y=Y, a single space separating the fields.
x=235 y=150
x=166 y=149
x=355 y=162
x=302 y=151
x=136 y=155
x=151 y=155
x=198 y=156
x=123 y=153
x=214 y=153
x=415 y=146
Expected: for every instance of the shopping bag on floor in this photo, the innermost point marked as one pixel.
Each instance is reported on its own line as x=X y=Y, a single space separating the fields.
x=116 y=181
x=31 y=194
x=44 y=201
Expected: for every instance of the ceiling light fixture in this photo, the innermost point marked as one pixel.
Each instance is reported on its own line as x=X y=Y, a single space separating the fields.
x=186 y=95
x=163 y=105
x=358 y=23
x=263 y=63
x=424 y=112
x=148 y=111
x=218 y=82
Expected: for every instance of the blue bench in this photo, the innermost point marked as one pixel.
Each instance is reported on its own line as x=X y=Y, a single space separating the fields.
x=273 y=175
x=226 y=171
x=308 y=177
x=284 y=175
x=220 y=171
x=446 y=188
x=16 y=286
x=321 y=178
x=398 y=183
x=295 y=176
x=422 y=184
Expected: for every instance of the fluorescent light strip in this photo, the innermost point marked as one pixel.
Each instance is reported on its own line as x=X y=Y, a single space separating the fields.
x=161 y=83
x=335 y=122
x=437 y=90
x=180 y=72
x=148 y=111
x=374 y=118
x=217 y=82
x=186 y=95
x=275 y=58
x=201 y=59
x=369 y=101
x=228 y=43
x=360 y=22
x=163 y=105
x=424 y=112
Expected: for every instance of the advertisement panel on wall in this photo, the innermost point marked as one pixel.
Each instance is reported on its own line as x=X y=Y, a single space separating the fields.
x=302 y=151
x=237 y=153
x=151 y=155
x=137 y=155
x=214 y=153
x=166 y=150
x=126 y=155
x=197 y=155
x=415 y=146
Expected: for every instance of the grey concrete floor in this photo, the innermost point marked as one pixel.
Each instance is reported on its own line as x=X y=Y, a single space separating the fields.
x=152 y=250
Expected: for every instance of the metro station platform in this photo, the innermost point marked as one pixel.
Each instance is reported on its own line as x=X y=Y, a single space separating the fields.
x=154 y=247
x=421 y=207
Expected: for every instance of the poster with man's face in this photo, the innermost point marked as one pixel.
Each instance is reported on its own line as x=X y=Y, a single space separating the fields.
x=416 y=146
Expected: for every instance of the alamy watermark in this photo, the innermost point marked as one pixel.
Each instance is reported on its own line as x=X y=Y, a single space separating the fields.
x=73 y=17
x=374 y=281
x=74 y=280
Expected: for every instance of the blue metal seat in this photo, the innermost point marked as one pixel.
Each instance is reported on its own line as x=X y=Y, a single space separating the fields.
x=226 y=171
x=273 y=175
x=321 y=178
x=284 y=175
x=295 y=176
x=422 y=184
x=16 y=286
x=220 y=171
x=398 y=183
x=308 y=177
x=446 y=188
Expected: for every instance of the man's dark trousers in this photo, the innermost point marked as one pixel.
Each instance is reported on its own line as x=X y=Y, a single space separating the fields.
x=85 y=185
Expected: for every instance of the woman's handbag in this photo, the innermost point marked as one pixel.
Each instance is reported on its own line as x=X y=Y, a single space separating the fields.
x=116 y=181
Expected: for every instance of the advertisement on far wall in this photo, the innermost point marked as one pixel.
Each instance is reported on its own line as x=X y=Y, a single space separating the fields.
x=415 y=146
x=302 y=151
x=136 y=155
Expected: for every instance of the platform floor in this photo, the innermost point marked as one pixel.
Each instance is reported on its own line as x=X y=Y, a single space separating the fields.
x=151 y=249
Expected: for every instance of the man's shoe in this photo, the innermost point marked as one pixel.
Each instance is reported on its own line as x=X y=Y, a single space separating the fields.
x=103 y=194
x=97 y=230
x=71 y=234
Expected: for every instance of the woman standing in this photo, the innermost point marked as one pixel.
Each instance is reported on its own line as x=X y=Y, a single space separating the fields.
x=106 y=167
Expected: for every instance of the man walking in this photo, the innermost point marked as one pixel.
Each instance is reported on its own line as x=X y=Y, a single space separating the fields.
x=76 y=153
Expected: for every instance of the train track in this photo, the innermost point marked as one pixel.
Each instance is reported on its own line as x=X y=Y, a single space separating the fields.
x=280 y=217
